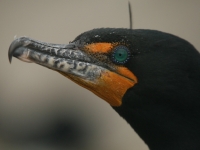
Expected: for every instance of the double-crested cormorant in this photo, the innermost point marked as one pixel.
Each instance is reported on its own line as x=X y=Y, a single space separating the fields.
x=151 y=78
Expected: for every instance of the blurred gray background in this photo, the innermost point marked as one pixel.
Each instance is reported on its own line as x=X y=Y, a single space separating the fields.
x=42 y=110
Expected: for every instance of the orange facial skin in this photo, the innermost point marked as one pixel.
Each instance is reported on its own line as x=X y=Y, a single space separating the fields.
x=99 y=47
x=111 y=85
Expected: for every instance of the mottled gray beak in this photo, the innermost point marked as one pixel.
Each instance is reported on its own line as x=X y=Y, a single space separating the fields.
x=67 y=59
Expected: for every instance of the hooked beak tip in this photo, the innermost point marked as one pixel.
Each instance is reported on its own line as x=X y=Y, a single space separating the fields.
x=10 y=53
x=10 y=60
x=14 y=45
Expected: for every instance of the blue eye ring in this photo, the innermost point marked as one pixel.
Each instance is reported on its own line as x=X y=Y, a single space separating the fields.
x=120 y=55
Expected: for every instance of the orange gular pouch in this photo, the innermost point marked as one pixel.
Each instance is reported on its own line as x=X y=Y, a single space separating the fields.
x=110 y=86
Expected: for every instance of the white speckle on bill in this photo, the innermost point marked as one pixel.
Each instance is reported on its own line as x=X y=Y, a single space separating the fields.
x=96 y=36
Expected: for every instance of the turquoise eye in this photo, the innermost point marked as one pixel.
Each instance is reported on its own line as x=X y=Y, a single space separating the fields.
x=120 y=54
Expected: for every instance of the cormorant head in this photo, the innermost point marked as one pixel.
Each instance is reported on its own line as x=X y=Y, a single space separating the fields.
x=96 y=60
x=109 y=61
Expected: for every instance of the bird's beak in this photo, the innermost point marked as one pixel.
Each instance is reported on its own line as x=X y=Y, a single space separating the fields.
x=75 y=64
x=63 y=58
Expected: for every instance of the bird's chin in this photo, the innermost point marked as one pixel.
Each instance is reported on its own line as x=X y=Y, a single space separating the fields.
x=109 y=86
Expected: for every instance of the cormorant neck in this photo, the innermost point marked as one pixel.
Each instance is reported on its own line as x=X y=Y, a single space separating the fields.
x=161 y=126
